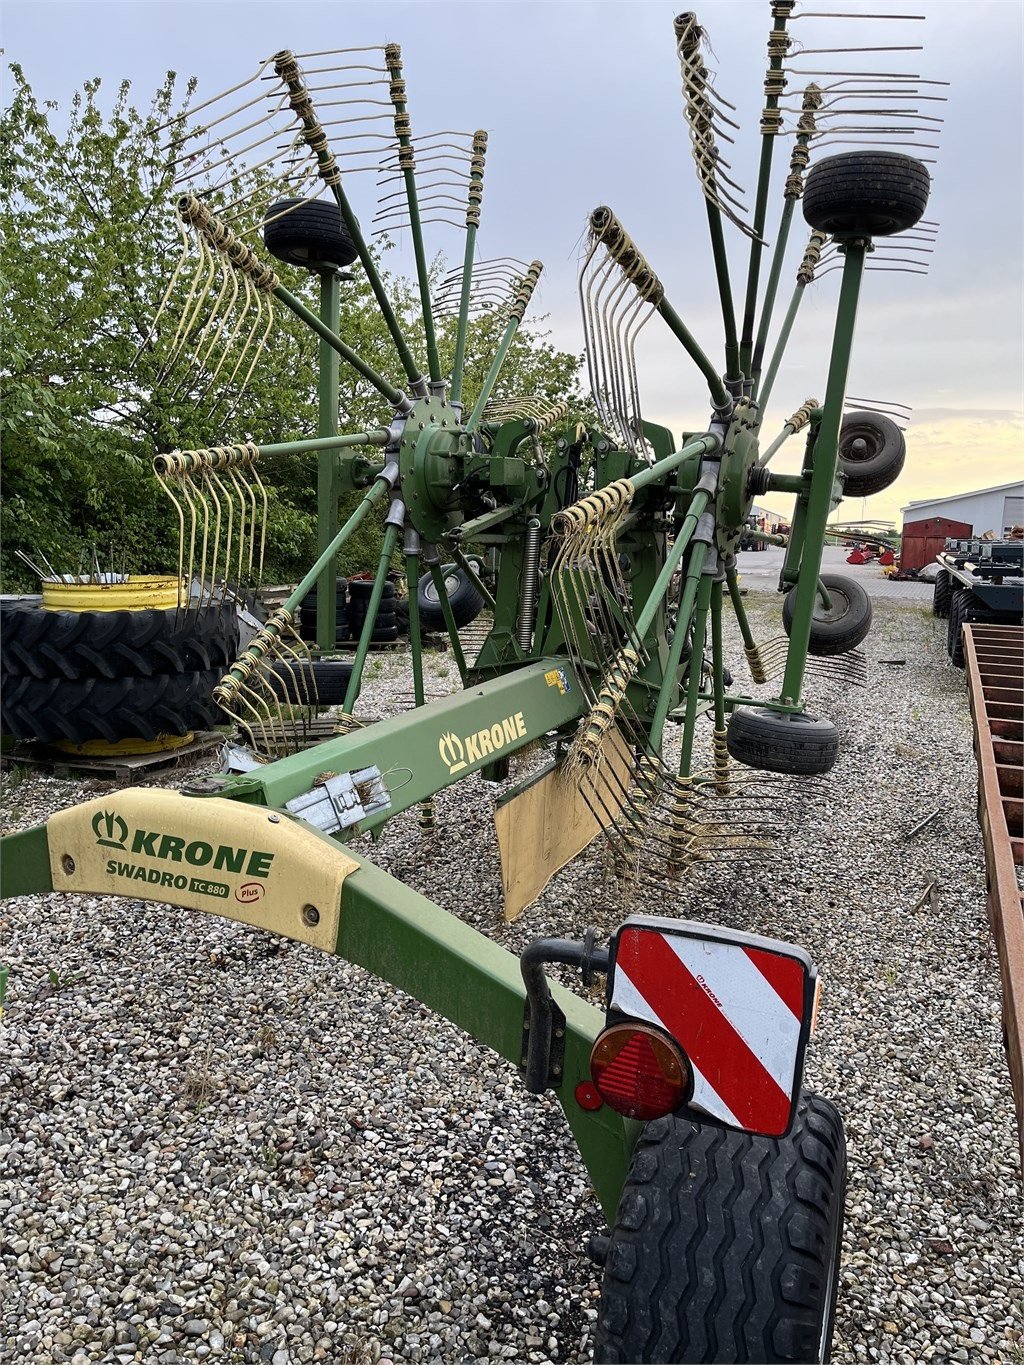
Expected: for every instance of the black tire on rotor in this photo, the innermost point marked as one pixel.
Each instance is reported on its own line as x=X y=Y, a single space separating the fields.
x=59 y=709
x=844 y=626
x=870 y=193
x=782 y=742
x=942 y=594
x=726 y=1245
x=309 y=233
x=872 y=452
x=320 y=682
x=115 y=644
x=465 y=600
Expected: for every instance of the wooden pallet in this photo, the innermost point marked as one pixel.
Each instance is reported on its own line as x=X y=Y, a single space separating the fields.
x=118 y=767
x=994 y=660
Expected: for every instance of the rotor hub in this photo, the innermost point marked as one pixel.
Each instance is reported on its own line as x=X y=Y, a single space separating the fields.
x=430 y=454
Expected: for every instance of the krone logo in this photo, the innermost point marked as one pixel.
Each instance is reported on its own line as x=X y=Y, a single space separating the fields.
x=110 y=830
x=452 y=751
x=459 y=751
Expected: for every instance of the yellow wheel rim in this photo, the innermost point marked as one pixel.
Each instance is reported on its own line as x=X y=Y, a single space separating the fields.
x=101 y=748
x=139 y=592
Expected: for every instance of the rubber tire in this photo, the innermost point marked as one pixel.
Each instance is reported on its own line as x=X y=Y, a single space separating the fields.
x=866 y=194
x=962 y=608
x=114 y=644
x=311 y=235
x=782 y=742
x=359 y=590
x=53 y=709
x=726 y=1245
x=329 y=678
x=884 y=460
x=942 y=594
x=466 y=602
x=833 y=634
x=307 y=624
x=402 y=615
x=384 y=620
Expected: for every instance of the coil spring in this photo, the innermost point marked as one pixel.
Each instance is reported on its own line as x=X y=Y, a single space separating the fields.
x=528 y=590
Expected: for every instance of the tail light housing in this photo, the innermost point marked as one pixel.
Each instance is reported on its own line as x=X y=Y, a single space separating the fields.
x=638 y=1071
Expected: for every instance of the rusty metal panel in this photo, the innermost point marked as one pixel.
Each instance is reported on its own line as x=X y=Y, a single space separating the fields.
x=994 y=657
x=922 y=540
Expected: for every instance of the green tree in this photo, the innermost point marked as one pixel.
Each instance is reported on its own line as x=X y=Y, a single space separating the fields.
x=88 y=243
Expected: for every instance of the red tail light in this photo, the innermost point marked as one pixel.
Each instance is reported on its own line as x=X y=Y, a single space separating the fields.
x=639 y=1072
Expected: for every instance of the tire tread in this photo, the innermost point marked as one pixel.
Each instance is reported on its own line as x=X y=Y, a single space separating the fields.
x=730 y=1260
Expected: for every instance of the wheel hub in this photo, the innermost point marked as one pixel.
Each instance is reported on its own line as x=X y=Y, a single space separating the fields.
x=736 y=489
x=430 y=453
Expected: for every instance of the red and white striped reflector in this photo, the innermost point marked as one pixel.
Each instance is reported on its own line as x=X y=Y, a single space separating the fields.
x=738 y=1006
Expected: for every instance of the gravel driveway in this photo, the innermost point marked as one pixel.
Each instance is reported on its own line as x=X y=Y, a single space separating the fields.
x=213 y=1143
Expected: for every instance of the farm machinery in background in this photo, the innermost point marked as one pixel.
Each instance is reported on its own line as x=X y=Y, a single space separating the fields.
x=611 y=552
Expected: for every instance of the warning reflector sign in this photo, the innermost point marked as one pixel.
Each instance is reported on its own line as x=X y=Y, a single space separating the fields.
x=737 y=1005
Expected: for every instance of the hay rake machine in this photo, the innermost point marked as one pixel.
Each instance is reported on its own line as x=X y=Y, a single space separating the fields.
x=612 y=564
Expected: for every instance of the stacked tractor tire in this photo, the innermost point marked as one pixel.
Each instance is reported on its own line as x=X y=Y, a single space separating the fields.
x=112 y=677
x=351 y=600
x=352 y=597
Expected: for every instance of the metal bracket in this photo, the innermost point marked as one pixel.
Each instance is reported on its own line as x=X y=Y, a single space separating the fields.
x=543 y=1022
x=543 y=1054
x=342 y=800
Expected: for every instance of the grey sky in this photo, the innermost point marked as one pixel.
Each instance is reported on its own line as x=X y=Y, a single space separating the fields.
x=583 y=106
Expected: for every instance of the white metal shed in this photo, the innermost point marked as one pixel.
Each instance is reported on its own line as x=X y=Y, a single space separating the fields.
x=987 y=509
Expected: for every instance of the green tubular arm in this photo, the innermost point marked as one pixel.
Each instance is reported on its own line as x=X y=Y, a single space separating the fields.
x=379 y=436
x=763 y=390
x=771 y=289
x=666 y=695
x=392 y=55
x=818 y=502
x=733 y=374
x=381 y=485
x=328 y=471
x=679 y=329
x=390 y=544
x=700 y=623
x=656 y=473
x=478 y=583
x=777 y=47
x=394 y=396
x=289 y=72
x=700 y=500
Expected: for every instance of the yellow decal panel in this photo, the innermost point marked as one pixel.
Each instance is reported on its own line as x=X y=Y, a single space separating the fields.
x=241 y=862
x=559 y=678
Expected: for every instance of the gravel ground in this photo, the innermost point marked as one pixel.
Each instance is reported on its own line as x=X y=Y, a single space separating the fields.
x=213 y=1143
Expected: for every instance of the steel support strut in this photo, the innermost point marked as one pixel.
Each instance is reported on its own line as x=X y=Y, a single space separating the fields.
x=818 y=501
x=327 y=490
